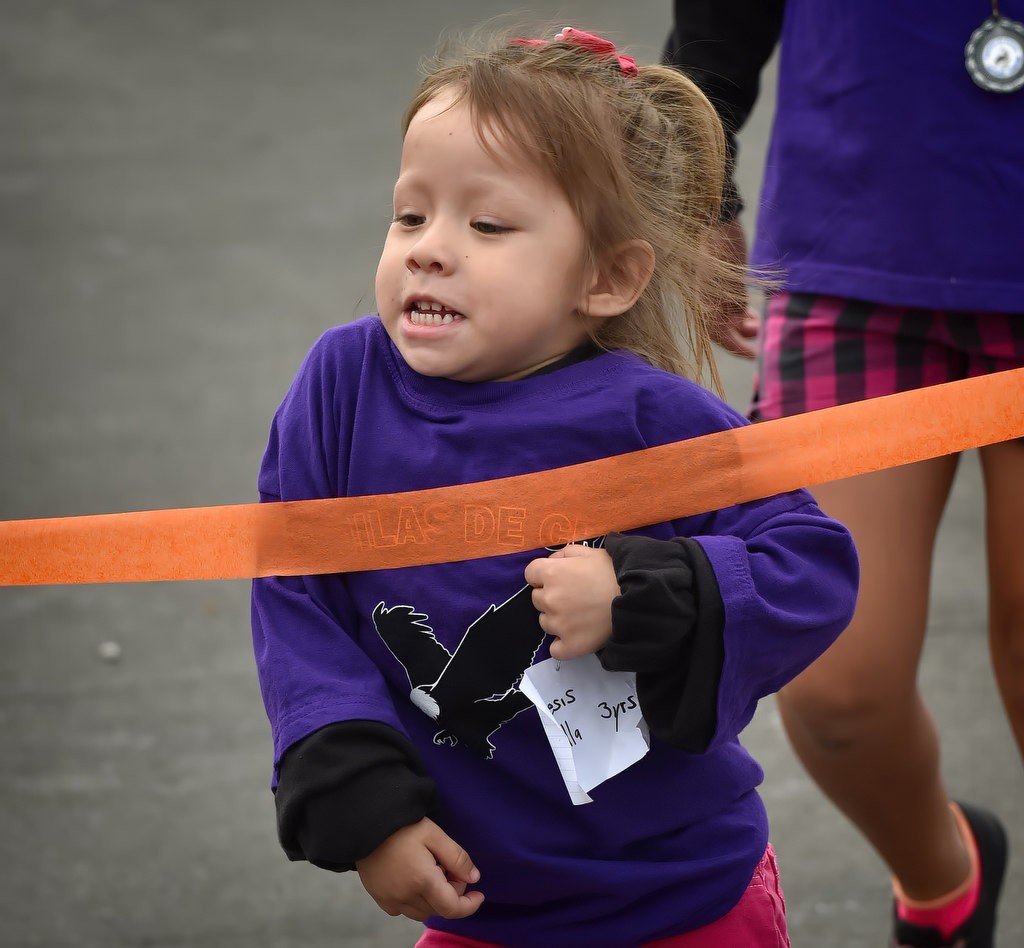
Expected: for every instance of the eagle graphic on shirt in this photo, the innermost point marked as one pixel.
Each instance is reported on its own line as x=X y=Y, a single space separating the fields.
x=474 y=690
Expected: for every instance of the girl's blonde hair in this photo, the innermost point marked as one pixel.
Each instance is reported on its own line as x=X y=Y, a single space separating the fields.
x=639 y=157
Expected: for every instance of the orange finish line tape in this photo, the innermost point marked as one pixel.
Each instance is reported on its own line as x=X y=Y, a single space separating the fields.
x=509 y=514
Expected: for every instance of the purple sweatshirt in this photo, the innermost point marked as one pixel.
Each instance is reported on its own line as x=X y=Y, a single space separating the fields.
x=669 y=844
x=890 y=175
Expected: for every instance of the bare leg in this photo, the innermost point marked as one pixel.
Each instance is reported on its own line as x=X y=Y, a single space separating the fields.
x=855 y=717
x=1003 y=466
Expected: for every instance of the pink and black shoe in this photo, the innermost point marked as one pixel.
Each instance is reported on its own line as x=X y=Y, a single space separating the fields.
x=978 y=930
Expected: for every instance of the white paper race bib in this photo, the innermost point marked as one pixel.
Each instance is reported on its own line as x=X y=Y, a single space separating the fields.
x=591 y=717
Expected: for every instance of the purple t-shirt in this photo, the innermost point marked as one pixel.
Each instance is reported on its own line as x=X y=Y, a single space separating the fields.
x=669 y=844
x=891 y=176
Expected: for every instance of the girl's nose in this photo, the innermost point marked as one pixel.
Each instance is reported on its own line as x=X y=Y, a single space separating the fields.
x=429 y=252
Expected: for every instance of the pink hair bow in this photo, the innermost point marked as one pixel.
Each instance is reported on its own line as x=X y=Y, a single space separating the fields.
x=598 y=45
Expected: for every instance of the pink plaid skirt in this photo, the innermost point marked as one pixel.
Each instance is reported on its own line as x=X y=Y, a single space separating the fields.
x=820 y=351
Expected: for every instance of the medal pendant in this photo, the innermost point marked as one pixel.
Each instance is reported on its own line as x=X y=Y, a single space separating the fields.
x=994 y=55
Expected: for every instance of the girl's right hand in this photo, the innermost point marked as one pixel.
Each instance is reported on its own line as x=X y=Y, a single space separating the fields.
x=420 y=871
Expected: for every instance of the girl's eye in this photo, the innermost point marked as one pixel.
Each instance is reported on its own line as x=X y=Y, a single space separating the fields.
x=409 y=220
x=489 y=227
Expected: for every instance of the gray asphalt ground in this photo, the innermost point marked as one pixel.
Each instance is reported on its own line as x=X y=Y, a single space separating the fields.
x=190 y=192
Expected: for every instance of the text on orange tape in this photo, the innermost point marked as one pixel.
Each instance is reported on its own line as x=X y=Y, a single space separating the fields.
x=525 y=512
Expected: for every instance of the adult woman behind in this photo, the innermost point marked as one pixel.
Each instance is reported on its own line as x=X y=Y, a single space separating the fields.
x=890 y=210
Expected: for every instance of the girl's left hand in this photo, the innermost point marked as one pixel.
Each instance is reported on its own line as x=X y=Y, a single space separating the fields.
x=573 y=589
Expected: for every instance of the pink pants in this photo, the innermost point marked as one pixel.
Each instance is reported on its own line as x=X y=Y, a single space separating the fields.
x=757 y=921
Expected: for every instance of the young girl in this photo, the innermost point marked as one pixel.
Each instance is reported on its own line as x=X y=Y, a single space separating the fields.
x=546 y=261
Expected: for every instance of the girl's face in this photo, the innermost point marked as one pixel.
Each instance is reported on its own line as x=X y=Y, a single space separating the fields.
x=482 y=276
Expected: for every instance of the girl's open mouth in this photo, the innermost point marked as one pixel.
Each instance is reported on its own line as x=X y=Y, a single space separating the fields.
x=429 y=313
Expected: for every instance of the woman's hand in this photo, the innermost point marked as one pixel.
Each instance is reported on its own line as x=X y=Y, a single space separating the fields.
x=736 y=326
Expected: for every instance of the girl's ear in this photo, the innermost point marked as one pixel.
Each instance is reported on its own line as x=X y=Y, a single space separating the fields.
x=619 y=280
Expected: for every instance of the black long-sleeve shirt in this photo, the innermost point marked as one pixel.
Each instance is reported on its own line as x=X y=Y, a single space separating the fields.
x=723 y=45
